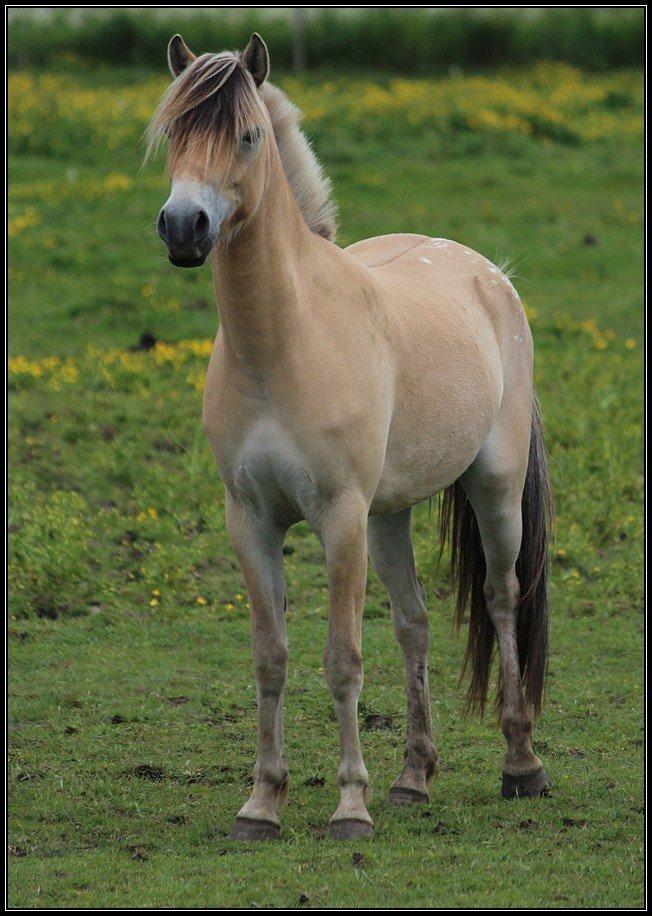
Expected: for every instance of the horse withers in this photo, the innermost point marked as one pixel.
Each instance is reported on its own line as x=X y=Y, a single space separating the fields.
x=344 y=387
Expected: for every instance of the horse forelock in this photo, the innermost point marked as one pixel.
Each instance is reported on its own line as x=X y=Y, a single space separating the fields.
x=215 y=98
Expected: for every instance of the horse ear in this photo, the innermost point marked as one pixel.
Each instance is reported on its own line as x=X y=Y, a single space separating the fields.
x=255 y=59
x=179 y=55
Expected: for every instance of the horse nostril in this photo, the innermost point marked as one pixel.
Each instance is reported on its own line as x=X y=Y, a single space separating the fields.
x=201 y=227
x=182 y=226
x=161 y=228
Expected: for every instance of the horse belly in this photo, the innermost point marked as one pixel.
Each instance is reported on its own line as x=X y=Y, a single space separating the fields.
x=434 y=437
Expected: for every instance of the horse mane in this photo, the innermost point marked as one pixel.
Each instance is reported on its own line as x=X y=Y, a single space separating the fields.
x=215 y=100
x=305 y=175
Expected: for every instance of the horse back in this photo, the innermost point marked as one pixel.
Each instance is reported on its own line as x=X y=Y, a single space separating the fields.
x=438 y=286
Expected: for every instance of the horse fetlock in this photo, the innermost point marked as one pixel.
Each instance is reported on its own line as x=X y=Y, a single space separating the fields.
x=352 y=776
x=282 y=794
x=516 y=728
x=274 y=775
x=421 y=757
x=262 y=804
x=520 y=758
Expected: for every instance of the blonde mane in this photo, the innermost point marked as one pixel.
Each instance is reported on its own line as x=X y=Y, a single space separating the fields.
x=311 y=187
x=215 y=100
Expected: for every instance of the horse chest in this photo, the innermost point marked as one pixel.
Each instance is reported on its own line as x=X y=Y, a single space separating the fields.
x=267 y=471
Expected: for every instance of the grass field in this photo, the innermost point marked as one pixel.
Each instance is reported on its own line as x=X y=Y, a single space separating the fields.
x=132 y=716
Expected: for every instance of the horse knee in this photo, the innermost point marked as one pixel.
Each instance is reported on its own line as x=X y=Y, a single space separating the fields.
x=343 y=671
x=270 y=668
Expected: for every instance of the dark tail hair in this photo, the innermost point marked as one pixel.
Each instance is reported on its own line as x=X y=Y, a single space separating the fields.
x=458 y=522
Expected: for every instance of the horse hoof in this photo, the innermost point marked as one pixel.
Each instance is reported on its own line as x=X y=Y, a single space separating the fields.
x=350 y=829
x=402 y=796
x=251 y=831
x=531 y=785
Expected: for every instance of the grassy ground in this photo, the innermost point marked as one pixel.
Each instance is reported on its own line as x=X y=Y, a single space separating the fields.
x=132 y=718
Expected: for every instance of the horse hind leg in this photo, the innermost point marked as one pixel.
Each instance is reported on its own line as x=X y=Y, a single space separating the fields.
x=507 y=485
x=390 y=551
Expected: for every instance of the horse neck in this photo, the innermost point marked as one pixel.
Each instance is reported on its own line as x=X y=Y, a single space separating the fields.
x=257 y=276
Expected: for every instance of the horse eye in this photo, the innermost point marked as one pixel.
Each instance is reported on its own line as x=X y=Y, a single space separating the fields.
x=251 y=137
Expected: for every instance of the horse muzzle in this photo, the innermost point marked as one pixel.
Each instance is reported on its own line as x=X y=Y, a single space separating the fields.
x=188 y=234
x=189 y=222
x=193 y=256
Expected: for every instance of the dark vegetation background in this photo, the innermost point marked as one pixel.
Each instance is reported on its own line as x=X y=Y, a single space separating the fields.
x=400 y=41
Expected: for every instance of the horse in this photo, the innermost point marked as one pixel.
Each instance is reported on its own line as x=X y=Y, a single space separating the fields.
x=345 y=386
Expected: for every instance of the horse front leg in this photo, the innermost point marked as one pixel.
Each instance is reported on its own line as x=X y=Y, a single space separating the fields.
x=343 y=533
x=259 y=547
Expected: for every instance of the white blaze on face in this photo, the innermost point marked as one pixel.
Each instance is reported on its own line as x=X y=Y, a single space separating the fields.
x=201 y=195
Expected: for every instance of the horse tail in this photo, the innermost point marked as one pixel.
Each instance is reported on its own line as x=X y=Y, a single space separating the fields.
x=459 y=525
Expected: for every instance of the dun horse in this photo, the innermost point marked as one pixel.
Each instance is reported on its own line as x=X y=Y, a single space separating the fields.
x=346 y=386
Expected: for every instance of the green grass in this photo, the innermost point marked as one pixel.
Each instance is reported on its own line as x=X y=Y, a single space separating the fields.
x=132 y=705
